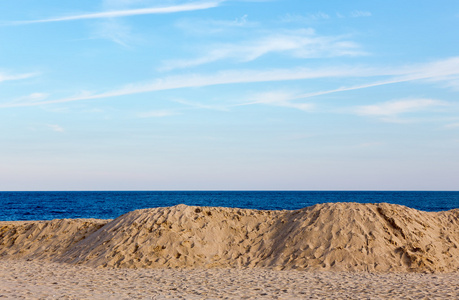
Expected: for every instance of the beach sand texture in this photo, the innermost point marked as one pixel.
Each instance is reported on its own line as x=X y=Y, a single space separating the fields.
x=331 y=236
x=20 y=279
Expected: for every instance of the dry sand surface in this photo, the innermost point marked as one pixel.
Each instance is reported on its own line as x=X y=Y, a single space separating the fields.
x=207 y=252
x=45 y=280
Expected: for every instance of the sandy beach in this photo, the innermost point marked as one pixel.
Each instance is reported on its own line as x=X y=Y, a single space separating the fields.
x=339 y=250
x=45 y=280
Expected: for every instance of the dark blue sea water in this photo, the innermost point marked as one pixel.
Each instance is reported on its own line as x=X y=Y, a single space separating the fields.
x=109 y=205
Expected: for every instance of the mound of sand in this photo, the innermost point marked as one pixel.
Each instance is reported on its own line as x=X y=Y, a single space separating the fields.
x=44 y=239
x=331 y=236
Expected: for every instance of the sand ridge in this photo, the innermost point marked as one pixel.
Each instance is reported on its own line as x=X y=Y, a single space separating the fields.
x=44 y=239
x=331 y=236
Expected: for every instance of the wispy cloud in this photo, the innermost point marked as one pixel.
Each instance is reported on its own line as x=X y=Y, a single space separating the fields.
x=31 y=98
x=201 y=106
x=197 y=80
x=303 y=43
x=113 y=30
x=279 y=98
x=211 y=26
x=127 y=12
x=369 y=145
x=6 y=77
x=55 y=127
x=158 y=114
x=392 y=80
x=390 y=110
x=297 y=18
x=360 y=13
x=452 y=82
x=433 y=72
x=439 y=71
x=320 y=16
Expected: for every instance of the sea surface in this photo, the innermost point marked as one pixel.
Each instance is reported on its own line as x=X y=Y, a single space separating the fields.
x=112 y=204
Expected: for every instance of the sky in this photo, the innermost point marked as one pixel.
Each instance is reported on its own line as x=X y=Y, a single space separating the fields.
x=229 y=95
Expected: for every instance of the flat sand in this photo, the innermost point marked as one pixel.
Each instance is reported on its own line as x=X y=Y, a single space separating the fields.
x=44 y=280
x=331 y=250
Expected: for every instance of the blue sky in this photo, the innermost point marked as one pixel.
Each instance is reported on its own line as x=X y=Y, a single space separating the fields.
x=229 y=95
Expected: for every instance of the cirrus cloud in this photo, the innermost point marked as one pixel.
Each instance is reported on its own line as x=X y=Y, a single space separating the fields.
x=390 y=111
x=127 y=12
x=304 y=43
x=6 y=76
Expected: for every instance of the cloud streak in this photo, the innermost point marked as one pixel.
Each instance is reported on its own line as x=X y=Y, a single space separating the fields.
x=320 y=16
x=435 y=72
x=128 y=12
x=441 y=71
x=452 y=125
x=360 y=13
x=391 y=111
x=158 y=114
x=212 y=27
x=279 y=98
x=55 y=128
x=7 y=77
x=113 y=30
x=196 y=80
x=300 y=44
x=393 y=108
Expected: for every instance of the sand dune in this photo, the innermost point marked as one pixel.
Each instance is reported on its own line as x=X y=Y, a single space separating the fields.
x=331 y=236
x=44 y=239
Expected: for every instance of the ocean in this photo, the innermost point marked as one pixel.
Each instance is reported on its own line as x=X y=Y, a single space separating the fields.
x=111 y=204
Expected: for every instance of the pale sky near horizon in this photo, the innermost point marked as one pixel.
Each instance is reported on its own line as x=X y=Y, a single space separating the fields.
x=229 y=95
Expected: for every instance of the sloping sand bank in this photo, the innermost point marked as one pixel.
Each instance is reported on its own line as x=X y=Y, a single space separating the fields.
x=331 y=236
